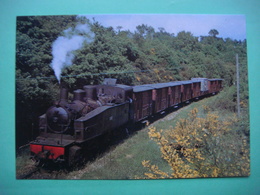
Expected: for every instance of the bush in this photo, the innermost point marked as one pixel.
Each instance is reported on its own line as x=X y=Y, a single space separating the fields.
x=202 y=145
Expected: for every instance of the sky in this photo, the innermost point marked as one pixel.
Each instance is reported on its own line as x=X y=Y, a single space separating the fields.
x=228 y=26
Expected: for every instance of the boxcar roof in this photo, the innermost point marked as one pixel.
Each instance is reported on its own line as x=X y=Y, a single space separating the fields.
x=196 y=81
x=199 y=78
x=140 y=88
x=146 y=87
x=216 y=79
x=158 y=85
x=174 y=83
x=187 y=82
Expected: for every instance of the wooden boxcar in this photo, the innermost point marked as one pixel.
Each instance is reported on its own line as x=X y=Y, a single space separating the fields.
x=214 y=85
x=196 y=86
x=160 y=96
x=142 y=97
x=174 y=93
x=186 y=91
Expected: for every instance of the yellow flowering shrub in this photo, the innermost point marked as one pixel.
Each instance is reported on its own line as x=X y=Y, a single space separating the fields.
x=200 y=146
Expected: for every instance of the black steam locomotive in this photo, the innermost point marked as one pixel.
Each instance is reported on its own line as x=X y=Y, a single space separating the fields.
x=68 y=127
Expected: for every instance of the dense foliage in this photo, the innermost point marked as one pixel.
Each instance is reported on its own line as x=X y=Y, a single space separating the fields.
x=147 y=55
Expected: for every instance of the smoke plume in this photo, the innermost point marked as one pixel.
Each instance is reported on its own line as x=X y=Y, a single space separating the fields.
x=64 y=46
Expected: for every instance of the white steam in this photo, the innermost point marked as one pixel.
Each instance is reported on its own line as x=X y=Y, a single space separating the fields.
x=63 y=47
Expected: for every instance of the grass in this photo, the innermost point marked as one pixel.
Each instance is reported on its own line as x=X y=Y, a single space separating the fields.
x=23 y=162
x=124 y=160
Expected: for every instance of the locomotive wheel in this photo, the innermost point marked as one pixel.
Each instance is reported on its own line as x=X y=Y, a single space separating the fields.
x=75 y=155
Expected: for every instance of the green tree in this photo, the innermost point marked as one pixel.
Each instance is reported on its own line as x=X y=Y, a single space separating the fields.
x=35 y=88
x=213 y=32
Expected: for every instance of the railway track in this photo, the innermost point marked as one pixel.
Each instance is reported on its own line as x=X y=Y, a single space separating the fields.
x=42 y=173
x=28 y=173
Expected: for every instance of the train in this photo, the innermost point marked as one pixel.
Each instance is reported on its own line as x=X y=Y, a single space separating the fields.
x=68 y=128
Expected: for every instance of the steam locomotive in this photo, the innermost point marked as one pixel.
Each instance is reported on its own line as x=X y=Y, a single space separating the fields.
x=68 y=127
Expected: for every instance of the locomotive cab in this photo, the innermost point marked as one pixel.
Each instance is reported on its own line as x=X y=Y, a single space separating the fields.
x=110 y=92
x=114 y=110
